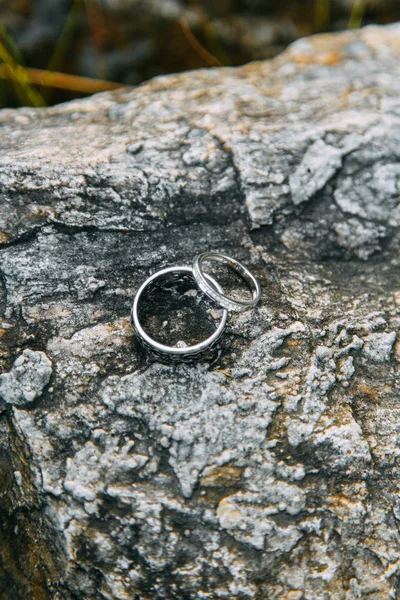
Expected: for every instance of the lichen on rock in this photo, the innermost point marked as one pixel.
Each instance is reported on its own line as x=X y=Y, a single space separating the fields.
x=28 y=377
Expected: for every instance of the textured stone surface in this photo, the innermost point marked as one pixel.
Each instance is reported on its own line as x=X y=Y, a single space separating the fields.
x=25 y=382
x=272 y=472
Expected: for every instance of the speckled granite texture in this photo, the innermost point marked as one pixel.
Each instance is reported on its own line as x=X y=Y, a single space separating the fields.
x=272 y=473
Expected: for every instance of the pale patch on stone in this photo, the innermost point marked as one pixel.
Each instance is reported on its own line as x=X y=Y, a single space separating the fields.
x=319 y=164
x=360 y=238
x=87 y=472
x=246 y=516
x=27 y=379
x=345 y=443
x=379 y=346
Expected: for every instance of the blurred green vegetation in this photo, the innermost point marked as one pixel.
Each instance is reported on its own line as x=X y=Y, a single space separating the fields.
x=55 y=50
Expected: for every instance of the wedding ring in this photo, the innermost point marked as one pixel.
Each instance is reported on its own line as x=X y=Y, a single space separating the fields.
x=177 y=352
x=216 y=294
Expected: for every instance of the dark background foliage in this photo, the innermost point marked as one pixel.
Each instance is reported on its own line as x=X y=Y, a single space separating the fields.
x=50 y=48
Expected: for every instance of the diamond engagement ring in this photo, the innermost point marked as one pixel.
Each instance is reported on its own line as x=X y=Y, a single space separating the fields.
x=209 y=286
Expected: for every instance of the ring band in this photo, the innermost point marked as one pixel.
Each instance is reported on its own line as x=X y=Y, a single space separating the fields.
x=202 y=280
x=174 y=351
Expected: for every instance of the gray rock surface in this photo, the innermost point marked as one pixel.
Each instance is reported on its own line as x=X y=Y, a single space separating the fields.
x=27 y=379
x=272 y=472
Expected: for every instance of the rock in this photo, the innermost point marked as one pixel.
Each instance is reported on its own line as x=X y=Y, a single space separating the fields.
x=27 y=379
x=271 y=472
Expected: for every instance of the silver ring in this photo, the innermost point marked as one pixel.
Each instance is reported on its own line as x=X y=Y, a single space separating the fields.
x=174 y=351
x=202 y=280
